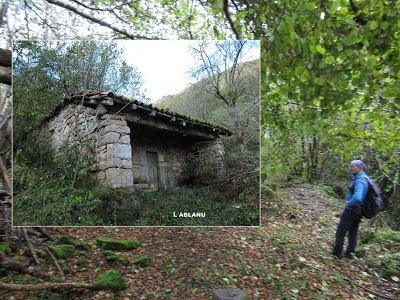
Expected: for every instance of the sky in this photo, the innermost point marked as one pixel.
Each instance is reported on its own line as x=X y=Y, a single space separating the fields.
x=165 y=65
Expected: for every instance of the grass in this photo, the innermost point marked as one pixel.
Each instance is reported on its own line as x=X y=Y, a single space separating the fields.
x=163 y=208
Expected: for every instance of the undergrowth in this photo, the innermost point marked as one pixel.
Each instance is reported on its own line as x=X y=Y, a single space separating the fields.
x=159 y=208
x=62 y=191
x=53 y=189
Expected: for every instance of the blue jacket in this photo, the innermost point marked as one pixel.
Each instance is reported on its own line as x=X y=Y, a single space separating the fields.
x=357 y=189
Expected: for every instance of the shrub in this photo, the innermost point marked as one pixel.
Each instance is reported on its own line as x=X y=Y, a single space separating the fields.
x=60 y=192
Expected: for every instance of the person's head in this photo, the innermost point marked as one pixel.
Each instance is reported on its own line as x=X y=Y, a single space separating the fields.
x=358 y=166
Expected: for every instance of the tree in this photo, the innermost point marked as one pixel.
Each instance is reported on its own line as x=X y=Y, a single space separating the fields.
x=46 y=72
x=225 y=80
x=115 y=19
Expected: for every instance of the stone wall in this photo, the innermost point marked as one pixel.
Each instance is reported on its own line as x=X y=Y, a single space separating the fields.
x=106 y=137
x=207 y=161
x=114 y=152
x=120 y=149
x=74 y=125
x=214 y=152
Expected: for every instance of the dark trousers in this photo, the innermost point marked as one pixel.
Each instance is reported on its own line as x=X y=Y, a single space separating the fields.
x=349 y=222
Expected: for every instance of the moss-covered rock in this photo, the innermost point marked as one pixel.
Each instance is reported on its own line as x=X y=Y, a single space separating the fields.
x=111 y=244
x=82 y=246
x=5 y=248
x=110 y=280
x=67 y=239
x=62 y=251
x=141 y=261
x=111 y=256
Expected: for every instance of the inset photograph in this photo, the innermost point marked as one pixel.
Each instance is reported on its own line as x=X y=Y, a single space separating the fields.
x=136 y=133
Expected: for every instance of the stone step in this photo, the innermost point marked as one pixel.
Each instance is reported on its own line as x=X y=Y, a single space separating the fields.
x=140 y=186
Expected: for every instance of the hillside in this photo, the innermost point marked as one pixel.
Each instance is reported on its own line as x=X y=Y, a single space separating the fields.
x=197 y=101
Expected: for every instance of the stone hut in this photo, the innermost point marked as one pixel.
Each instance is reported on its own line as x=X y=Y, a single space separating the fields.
x=134 y=145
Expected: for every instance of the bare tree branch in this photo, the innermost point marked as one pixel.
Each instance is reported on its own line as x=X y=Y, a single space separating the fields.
x=229 y=18
x=96 y=20
x=48 y=286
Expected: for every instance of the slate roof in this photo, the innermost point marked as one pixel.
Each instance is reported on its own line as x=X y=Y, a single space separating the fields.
x=93 y=97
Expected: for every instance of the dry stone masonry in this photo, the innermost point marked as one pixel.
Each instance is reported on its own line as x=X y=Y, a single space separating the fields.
x=133 y=145
x=114 y=152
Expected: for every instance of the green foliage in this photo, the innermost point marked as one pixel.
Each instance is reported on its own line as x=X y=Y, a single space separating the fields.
x=62 y=251
x=389 y=235
x=5 y=247
x=160 y=207
x=55 y=191
x=112 y=244
x=44 y=72
x=380 y=249
x=327 y=91
x=141 y=261
x=118 y=206
x=110 y=280
x=110 y=256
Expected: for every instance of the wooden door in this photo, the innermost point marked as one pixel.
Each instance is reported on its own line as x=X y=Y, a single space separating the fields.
x=152 y=164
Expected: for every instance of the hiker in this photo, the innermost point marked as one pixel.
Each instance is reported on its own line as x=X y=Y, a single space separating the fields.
x=351 y=216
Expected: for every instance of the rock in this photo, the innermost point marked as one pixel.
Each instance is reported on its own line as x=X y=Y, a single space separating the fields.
x=123 y=151
x=119 y=178
x=141 y=261
x=110 y=280
x=111 y=244
x=125 y=139
x=101 y=176
x=82 y=246
x=90 y=111
x=119 y=150
x=108 y=138
x=126 y=163
x=229 y=294
x=109 y=163
x=111 y=128
x=107 y=122
x=100 y=110
x=110 y=256
x=66 y=240
x=140 y=186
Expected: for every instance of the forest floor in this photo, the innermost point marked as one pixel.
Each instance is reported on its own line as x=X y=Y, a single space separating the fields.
x=285 y=258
